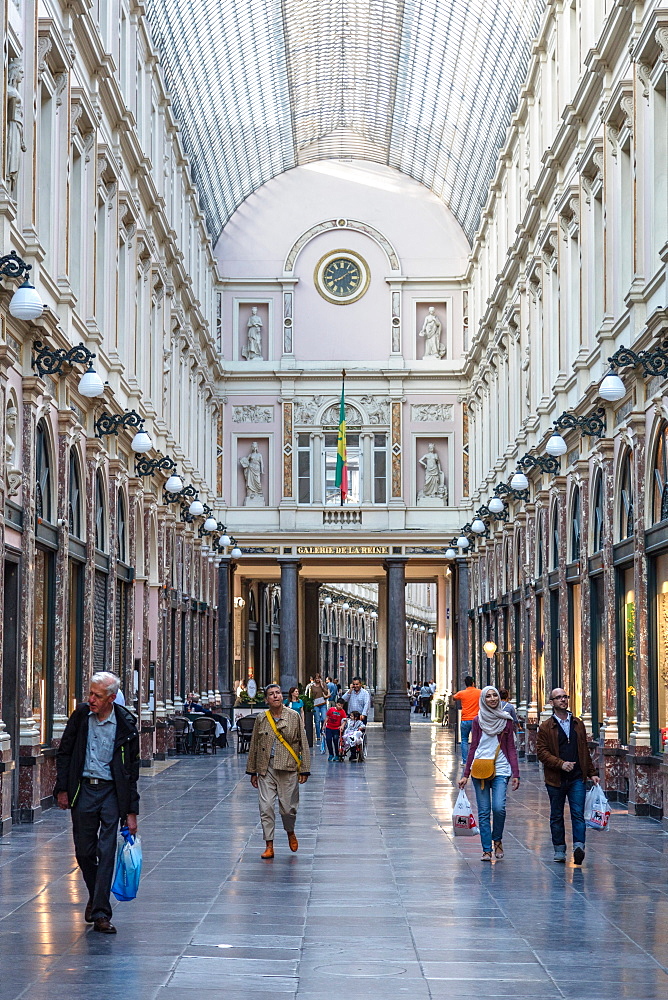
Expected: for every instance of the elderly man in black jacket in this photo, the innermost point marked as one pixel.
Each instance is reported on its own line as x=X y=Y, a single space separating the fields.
x=98 y=767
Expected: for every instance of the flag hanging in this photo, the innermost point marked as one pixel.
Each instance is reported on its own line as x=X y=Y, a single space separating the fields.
x=341 y=459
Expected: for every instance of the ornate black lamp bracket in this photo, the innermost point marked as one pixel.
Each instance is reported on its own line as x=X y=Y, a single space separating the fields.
x=593 y=424
x=147 y=466
x=110 y=423
x=13 y=266
x=50 y=362
x=503 y=490
x=546 y=463
x=484 y=513
x=652 y=362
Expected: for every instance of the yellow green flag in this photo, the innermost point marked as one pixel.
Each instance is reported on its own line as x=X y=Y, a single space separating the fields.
x=341 y=460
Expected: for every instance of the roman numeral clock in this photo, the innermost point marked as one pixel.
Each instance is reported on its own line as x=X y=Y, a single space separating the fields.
x=341 y=276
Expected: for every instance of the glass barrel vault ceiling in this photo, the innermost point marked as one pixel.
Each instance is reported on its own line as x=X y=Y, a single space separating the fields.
x=426 y=86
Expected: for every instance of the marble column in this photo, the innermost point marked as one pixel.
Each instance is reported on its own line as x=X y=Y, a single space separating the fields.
x=289 y=635
x=463 y=665
x=381 y=654
x=397 y=706
x=225 y=660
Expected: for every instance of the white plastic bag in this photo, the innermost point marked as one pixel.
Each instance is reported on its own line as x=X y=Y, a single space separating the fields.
x=597 y=809
x=463 y=820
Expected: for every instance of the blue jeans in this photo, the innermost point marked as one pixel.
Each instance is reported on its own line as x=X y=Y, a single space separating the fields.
x=491 y=800
x=465 y=730
x=575 y=792
x=319 y=713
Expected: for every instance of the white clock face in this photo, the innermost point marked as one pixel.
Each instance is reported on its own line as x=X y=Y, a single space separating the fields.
x=342 y=276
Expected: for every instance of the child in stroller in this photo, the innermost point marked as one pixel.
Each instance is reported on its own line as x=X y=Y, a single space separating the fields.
x=352 y=738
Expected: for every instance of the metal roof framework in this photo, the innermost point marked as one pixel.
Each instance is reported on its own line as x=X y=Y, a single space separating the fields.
x=425 y=86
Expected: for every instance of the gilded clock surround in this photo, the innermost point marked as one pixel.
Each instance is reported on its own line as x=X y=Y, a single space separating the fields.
x=359 y=264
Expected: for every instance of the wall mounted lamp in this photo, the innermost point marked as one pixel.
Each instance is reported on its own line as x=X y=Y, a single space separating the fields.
x=147 y=466
x=655 y=362
x=516 y=491
x=60 y=362
x=25 y=303
x=108 y=423
x=546 y=463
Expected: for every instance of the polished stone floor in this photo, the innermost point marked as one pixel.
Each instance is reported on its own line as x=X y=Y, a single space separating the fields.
x=379 y=902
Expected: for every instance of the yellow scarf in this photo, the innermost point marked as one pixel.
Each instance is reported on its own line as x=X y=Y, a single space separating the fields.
x=280 y=738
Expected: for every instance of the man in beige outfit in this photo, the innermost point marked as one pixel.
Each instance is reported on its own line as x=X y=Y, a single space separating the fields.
x=278 y=763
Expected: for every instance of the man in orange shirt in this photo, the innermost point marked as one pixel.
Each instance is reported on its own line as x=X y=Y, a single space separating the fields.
x=469 y=699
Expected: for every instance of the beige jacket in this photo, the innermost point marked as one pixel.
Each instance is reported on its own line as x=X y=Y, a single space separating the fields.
x=291 y=728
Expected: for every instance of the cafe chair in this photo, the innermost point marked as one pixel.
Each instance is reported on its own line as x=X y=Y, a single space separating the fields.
x=181 y=735
x=204 y=731
x=244 y=732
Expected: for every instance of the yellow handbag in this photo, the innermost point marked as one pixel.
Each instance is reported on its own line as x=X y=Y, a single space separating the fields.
x=484 y=768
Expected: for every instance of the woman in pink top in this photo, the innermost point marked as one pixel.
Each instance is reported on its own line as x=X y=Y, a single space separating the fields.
x=492 y=736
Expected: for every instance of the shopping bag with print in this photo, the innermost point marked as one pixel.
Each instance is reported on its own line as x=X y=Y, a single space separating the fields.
x=463 y=820
x=128 y=867
x=597 y=809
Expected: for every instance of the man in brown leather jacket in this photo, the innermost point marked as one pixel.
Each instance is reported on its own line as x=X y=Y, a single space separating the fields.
x=562 y=750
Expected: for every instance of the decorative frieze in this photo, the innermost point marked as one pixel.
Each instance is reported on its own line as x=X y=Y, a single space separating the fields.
x=431 y=412
x=252 y=414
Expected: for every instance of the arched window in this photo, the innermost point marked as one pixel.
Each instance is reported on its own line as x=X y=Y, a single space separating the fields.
x=597 y=514
x=74 y=513
x=575 y=525
x=42 y=474
x=626 y=521
x=121 y=530
x=100 y=532
x=660 y=495
x=333 y=629
x=540 y=545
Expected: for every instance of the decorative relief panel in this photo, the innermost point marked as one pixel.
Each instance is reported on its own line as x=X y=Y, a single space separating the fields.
x=287 y=449
x=253 y=414
x=396 y=449
x=431 y=412
x=330 y=417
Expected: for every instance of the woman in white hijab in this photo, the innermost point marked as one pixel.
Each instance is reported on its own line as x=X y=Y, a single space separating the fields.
x=493 y=761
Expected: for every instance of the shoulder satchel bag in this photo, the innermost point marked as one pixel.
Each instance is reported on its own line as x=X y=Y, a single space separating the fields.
x=281 y=739
x=484 y=768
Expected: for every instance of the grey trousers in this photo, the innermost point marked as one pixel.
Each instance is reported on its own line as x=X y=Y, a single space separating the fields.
x=281 y=785
x=95 y=827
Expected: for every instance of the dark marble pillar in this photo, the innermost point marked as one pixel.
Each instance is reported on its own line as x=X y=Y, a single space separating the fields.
x=463 y=664
x=225 y=660
x=397 y=706
x=311 y=630
x=289 y=637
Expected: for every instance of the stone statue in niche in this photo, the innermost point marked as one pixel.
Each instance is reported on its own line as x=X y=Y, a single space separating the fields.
x=253 y=467
x=13 y=476
x=253 y=348
x=15 y=141
x=431 y=331
x=434 y=493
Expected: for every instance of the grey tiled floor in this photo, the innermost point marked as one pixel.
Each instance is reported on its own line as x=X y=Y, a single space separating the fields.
x=379 y=902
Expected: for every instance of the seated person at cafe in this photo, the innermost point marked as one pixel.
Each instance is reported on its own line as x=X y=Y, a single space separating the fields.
x=193 y=704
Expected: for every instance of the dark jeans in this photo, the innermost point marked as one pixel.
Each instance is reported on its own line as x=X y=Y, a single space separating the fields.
x=575 y=792
x=95 y=827
x=332 y=737
x=465 y=731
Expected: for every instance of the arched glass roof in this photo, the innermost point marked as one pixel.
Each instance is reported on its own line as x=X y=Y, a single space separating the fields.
x=426 y=86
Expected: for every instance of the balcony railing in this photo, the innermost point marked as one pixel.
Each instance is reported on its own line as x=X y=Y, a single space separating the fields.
x=341 y=517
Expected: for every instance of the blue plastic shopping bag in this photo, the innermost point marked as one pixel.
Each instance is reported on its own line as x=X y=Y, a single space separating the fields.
x=128 y=867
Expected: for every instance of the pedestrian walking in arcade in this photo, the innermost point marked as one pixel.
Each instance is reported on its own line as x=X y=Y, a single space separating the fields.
x=358 y=699
x=278 y=763
x=469 y=699
x=493 y=760
x=426 y=695
x=97 y=770
x=562 y=750
x=335 y=716
x=319 y=692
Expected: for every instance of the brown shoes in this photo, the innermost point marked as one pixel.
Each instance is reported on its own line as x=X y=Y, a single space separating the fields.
x=88 y=912
x=293 y=842
x=104 y=926
x=268 y=852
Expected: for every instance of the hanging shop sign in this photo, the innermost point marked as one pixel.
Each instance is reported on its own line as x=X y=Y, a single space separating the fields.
x=343 y=550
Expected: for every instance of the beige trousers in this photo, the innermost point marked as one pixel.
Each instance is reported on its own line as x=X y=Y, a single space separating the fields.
x=281 y=785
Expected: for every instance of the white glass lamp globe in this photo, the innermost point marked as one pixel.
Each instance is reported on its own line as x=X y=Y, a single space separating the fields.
x=328 y=600
x=236 y=552
x=196 y=508
x=374 y=614
x=210 y=524
x=556 y=446
x=174 y=484
x=612 y=388
x=478 y=526
x=519 y=481
x=423 y=628
x=90 y=384
x=141 y=442
x=496 y=505
x=225 y=540
x=450 y=553
x=25 y=303
x=346 y=607
x=462 y=542
x=490 y=648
